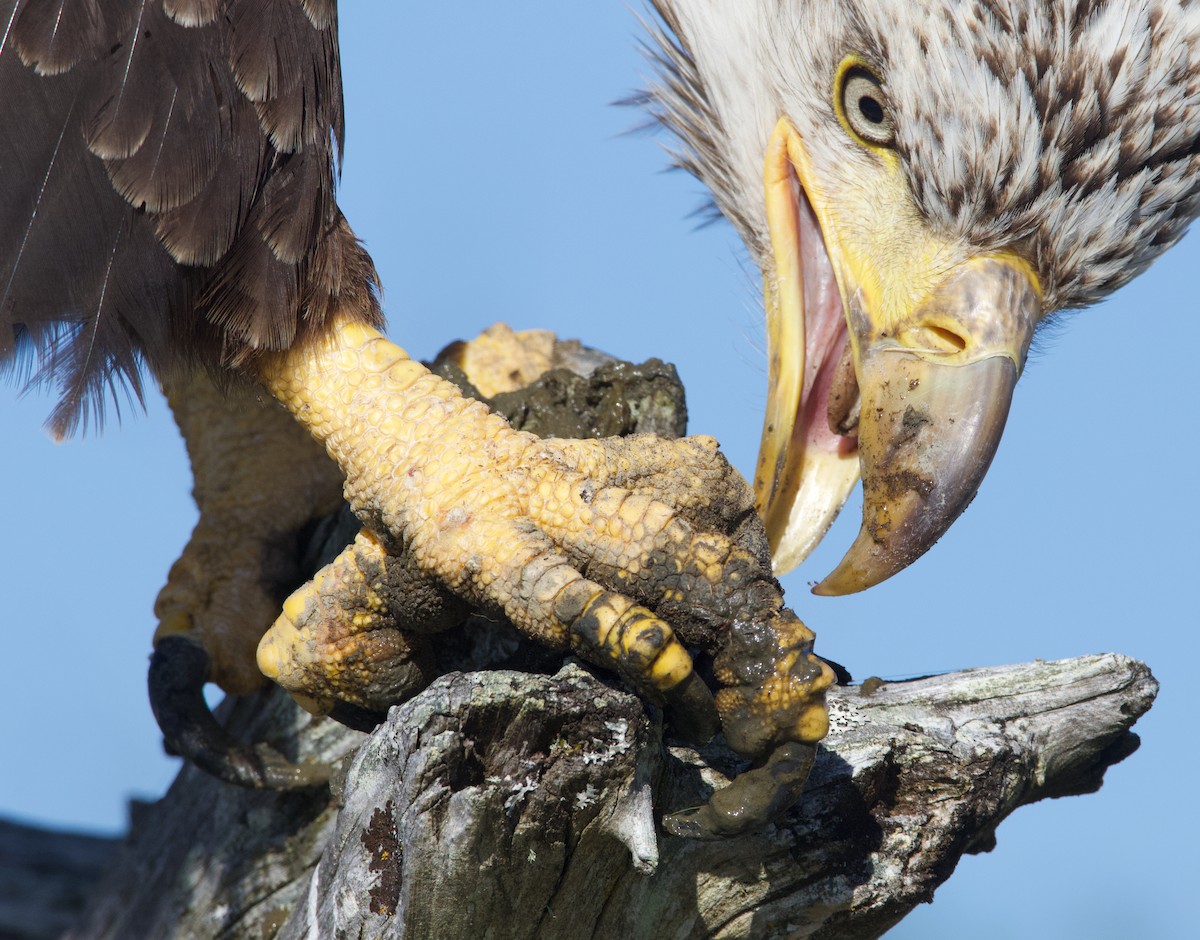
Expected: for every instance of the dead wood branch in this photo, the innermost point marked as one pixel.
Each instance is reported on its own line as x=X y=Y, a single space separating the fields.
x=505 y=804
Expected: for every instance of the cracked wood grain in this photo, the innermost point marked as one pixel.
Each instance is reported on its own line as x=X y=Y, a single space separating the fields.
x=508 y=804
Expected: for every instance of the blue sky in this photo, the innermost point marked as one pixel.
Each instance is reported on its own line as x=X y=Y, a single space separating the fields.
x=490 y=179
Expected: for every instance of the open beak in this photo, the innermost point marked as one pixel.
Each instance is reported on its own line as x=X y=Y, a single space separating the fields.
x=807 y=464
x=889 y=354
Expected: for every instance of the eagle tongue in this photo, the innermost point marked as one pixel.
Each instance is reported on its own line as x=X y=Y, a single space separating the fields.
x=830 y=387
x=845 y=400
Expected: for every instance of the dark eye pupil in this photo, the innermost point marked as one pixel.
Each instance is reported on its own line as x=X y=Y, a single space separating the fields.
x=871 y=109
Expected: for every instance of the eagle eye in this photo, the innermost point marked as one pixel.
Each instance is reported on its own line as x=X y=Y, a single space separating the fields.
x=863 y=107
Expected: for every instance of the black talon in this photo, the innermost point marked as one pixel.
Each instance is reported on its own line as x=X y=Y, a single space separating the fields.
x=356 y=717
x=178 y=671
x=690 y=711
x=754 y=799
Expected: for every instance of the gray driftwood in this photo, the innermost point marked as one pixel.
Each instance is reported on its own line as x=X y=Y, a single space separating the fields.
x=505 y=804
x=45 y=877
x=532 y=842
x=524 y=801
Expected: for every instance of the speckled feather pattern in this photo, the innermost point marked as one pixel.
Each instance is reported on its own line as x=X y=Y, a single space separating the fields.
x=1069 y=131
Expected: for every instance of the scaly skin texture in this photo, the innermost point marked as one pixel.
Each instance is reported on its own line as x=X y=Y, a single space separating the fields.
x=259 y=480
x=583 y=545
x=358 y=632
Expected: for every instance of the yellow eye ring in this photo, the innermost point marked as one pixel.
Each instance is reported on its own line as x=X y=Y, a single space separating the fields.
x=862 y=106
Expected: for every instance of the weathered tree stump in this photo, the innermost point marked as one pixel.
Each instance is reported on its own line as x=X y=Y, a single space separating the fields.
x=556 y=834
x=525 y=800
x=513 y=805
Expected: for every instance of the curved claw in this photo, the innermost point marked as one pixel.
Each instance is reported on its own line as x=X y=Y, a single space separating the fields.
x=178 y=670
x=754 y=799
x=691 y=711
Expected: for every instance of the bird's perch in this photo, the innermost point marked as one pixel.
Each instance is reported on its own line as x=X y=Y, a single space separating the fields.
x=524 y=800
x=515 y=805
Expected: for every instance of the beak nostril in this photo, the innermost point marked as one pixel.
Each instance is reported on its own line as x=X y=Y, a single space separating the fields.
x=934 y=338
x=948 y=338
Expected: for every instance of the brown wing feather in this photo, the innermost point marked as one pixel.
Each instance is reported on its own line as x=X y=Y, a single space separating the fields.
x=193 y=12
x=55 y=36
x=202 y=230
x=166 y=188
x=289 y=69
x=321 y=13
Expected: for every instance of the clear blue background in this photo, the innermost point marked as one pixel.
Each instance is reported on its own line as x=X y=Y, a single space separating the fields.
x=490 y=179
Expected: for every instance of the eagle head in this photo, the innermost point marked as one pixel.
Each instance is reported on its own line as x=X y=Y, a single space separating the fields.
x=922 y=184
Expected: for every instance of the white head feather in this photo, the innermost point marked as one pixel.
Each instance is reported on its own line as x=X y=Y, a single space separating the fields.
x=1067 y=130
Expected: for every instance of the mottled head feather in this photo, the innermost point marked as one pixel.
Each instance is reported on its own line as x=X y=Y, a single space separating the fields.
x=1068 y=130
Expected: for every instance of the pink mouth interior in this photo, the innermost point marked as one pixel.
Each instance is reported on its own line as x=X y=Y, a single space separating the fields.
x=825 y=337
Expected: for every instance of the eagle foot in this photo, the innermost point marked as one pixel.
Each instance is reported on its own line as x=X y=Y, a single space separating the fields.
x=357 y=639
x=626 y=552
x=632 y=553
x=755 y=798
x=354 y=640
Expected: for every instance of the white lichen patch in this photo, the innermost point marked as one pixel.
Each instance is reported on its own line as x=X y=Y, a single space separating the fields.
x=620 y=728
x=518 y=789
x=606 y=750
x=844 y=715
x=587 y=797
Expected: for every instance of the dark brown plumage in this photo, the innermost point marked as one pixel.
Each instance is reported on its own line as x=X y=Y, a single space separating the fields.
x=168 y=173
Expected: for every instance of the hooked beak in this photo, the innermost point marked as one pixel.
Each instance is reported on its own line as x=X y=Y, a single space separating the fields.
x=936 y=347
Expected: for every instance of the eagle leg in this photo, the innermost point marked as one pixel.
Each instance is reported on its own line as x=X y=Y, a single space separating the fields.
x=575 y=542
x=260 y=482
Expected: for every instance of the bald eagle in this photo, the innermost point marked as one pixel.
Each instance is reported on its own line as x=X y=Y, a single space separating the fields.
x=170 y=204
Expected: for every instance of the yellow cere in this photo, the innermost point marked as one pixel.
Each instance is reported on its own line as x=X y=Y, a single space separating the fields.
x=881 y=248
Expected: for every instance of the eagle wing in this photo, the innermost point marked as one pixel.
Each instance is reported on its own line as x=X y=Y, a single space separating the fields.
x=169 y=171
